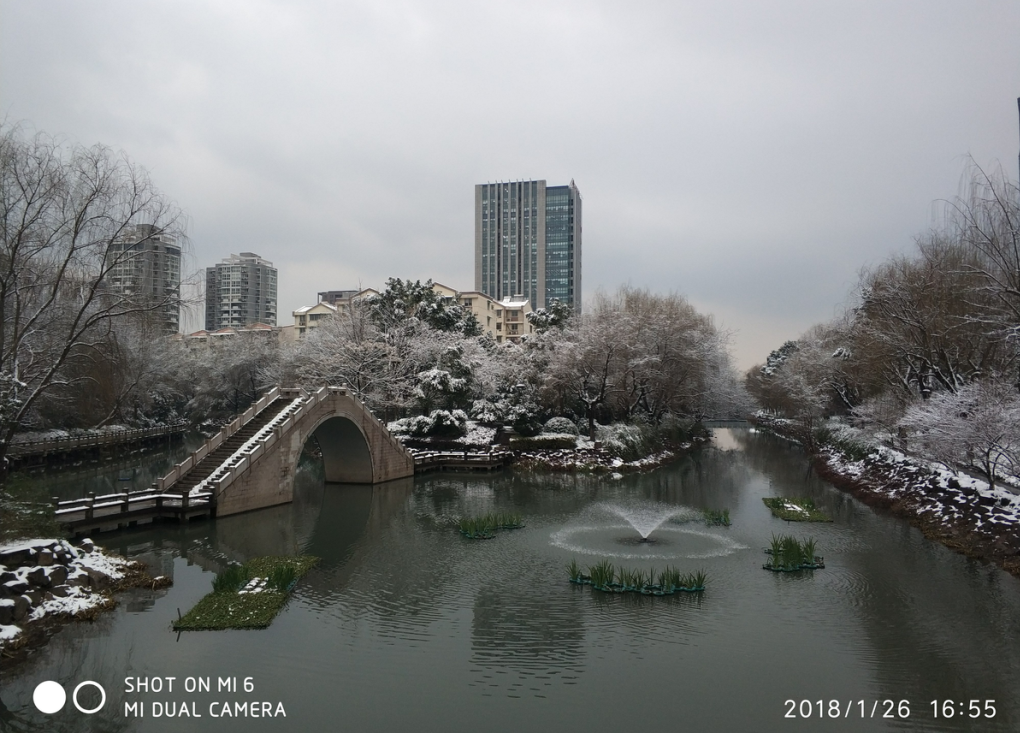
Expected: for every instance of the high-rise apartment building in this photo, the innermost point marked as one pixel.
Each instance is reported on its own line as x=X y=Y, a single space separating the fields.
x=528 y=242
x=240 y=291
x=145 y=264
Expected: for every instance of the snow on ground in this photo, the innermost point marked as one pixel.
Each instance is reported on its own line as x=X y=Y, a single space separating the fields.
x=8 y=632
x=111 y=567
x=25 y=545
x=47 y=577
x=943 y=493
x=77 y=600
x=255 y=585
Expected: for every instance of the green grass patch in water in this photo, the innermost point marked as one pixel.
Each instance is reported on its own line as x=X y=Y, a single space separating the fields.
x=486 y=526
x=606 y=577
x=787 y=554
x=717 y=518
x=795 y=510
x=232 y=606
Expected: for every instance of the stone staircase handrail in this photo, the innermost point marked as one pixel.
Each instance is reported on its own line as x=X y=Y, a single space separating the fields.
x=240 y=466
x=181 y=469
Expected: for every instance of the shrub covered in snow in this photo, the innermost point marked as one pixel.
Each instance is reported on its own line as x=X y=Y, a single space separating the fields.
x=851 y=442
x=479 y=435
x=486 y=412
x=560 y=425
x=515 y=405
x=438 y=423
x=543 y=442
x=976 y=427
x=438 y=387
x=628 y=442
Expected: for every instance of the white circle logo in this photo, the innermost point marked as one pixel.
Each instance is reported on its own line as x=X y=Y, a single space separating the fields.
x=49 y=697
x=88 y=711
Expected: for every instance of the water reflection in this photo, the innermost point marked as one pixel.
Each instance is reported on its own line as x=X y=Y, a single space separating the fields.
x=132 y=472
x=518 y=632
x=407 y=624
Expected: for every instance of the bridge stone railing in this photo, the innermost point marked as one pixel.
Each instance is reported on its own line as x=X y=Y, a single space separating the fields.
x=281 y=426
x=263 y=440
x=181 y=469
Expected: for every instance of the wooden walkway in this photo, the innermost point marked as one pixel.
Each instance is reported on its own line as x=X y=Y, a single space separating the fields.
x=168 y=498
x=130 y=509
x=37 y=451
x=460 y=460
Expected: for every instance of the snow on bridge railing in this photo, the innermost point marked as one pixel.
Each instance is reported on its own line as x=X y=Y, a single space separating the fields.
x=256 y=445
x=302 y=403
x=94 y=507
x=109 y=437
x=247 y=454
x=213 y=443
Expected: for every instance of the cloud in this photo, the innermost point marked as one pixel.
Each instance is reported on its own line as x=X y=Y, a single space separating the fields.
x=751 y=155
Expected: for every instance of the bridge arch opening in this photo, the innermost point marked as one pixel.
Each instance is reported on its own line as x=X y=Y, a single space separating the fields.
x=346 y=456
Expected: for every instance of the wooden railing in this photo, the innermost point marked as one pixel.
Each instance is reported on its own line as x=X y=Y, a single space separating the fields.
x=107 y=506
x=469 y=460
x=74 y=442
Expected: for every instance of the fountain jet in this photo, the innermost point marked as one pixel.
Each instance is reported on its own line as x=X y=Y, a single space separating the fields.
x=646 y=518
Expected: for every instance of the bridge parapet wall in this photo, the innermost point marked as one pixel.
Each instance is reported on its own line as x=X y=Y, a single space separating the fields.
x=356 y=448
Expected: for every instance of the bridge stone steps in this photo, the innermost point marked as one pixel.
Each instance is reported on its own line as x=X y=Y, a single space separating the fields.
x=208 y=465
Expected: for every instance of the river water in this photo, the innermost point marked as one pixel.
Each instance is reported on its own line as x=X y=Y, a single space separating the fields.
x=405 y=625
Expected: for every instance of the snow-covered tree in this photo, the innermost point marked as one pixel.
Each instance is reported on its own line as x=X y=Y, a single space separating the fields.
x=231 y=374
x=976 y=427
x=556 y=315
x=348 y=349
x=62 y=210
x=638 y=355
x=403 y=299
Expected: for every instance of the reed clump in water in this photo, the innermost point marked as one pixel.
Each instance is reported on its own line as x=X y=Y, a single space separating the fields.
x=230 y=579
x=787 y=553
x=485 y=526
x=717 y=518
x=604 y=576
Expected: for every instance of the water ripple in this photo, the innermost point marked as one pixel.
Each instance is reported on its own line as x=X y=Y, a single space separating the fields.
x=603 y=546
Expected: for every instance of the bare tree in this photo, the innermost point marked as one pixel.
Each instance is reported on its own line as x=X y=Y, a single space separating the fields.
x=640 y=354
x=916 y=320
x=987 y=221
x=64 y=214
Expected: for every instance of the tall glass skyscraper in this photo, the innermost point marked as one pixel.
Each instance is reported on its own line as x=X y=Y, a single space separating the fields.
x=528 y=242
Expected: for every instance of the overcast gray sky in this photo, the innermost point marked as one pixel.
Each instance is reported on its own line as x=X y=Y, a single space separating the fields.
x=752 y=156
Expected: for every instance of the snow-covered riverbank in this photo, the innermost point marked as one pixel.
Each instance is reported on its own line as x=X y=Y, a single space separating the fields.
x=47 y=582
x=958 y=510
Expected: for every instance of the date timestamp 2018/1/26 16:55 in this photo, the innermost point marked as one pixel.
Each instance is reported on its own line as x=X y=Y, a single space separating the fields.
x=887 y=709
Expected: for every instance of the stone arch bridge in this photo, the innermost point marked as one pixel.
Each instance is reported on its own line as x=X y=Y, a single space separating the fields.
x=252 y=466
x=251 y=463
